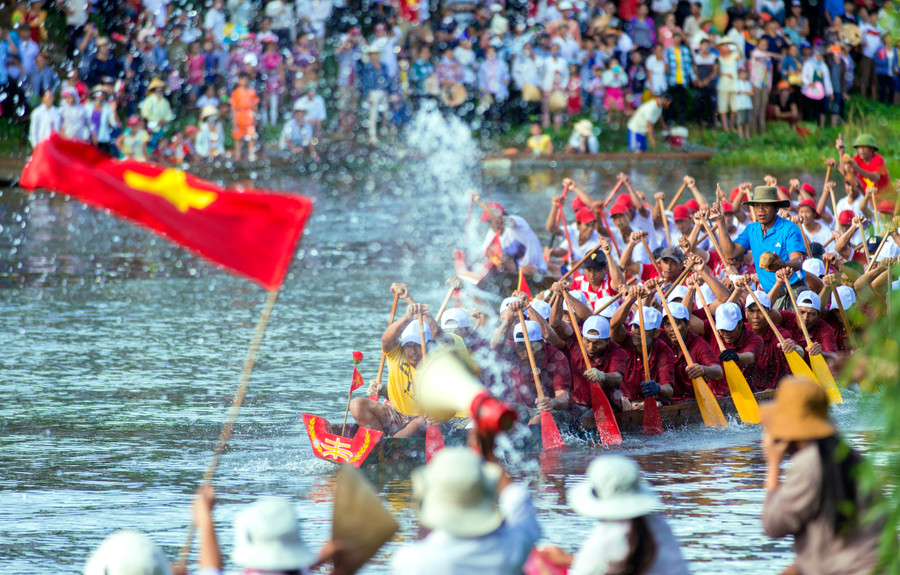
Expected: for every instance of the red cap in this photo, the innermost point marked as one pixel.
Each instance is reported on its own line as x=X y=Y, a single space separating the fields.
x=623 y=201
x=692 y=205
x=618 y=209
x=729 y=209
x=191 y=130
x=734 y=194
x=681 y=213
x=811 y=205
x=577 y=204
x=845 y=218
x=585 y=215
x=886 y=207
x=485 y=215
x=809 y=190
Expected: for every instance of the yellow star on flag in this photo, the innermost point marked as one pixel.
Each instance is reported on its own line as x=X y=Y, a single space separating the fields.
x=171 y=185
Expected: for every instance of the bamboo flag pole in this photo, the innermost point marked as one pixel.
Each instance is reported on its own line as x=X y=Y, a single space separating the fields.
x=233 y=414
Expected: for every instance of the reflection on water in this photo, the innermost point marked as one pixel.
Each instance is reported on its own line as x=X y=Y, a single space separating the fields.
x=121 y=354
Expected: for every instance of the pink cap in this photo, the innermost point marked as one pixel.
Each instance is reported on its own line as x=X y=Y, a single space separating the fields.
x=486 y=215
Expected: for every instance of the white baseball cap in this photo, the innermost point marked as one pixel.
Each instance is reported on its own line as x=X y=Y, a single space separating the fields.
x=678 y=292
x=810 y=299
x=534 y=332
x=814 y=266
x=505 y=303
x=652 y=318
x=763 y=298
x=610 y=309
x=679 y=311
x=598 y=324
x=542 y=307
x=455 y=317
x=728 y=316
x=708 y=295
x=847 y=295
x=411 y=334
x=579 y=295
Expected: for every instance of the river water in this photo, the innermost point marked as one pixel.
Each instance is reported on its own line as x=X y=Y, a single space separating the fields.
x=121 y=354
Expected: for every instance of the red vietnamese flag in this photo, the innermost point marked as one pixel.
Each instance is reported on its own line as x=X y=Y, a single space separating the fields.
x=250 y=232
x=523 y=286
x=357 y=380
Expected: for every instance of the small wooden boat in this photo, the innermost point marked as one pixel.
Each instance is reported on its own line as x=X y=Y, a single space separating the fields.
x=493 y=280
x=679 y=414
x=562 y=160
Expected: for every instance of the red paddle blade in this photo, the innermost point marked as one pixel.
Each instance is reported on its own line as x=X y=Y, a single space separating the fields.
x=551 y=438
x=652 y=421
x=434 y=441
x=607 y=428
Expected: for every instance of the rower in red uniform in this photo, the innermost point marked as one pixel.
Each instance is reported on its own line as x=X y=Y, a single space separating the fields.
x=607 y=367
x=706 y=364
x=660 y=357
x=822 y=335
x=742 y=346
x=771 y=364
x=600 y=279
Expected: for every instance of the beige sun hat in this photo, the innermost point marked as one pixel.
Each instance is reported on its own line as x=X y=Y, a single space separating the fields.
x=127 y=552
x=613 y=491
x=267 y=537
x=207 y=111
x=457 y=492
x=799 y=411
x=156 y=83
x=584 y=128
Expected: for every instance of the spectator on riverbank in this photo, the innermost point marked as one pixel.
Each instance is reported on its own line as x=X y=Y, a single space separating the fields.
x=45 y=120
x=74 y=118
x=244 y=109
x=210 y=140
x=297 y=136
x=640 y=126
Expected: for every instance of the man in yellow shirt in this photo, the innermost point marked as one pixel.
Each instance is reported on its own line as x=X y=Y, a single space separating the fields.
x=402 y=347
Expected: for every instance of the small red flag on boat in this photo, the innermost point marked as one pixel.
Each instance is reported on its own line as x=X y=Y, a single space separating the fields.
x=357 y=380
x=523 y=285
x=494 y=251
x=250 y=232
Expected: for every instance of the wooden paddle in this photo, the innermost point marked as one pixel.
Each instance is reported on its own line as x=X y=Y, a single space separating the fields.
x=562 y=202
x=566 y=231
x=650 y=255
x=710 y=409
x=830 y=191
x=454 y=285
x=384 y=357
x=580 y=263
x=843 y=313
x=743 y=398
x=677 y=197
x=612 y=193
x=605 y=419
x=434 y=439
x=652 y=421
x=665 y=221
x=611 y=234
x=798 y=365
x=613 y=299
x=816 y=362
x=874 y=258
x=551 y=438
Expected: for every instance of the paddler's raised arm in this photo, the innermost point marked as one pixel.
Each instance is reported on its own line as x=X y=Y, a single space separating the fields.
x=616 y=275
x=390 y=340
x=498 y=340
x=618 y=318
x=626 y=261
x=555 y=206
x=587 y=199
x=637 y=199
x=547 y=331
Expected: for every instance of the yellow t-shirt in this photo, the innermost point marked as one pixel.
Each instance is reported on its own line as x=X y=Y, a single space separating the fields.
x=401 y=393
x=539 y=144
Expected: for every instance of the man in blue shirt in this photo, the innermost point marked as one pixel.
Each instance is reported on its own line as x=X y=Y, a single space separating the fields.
x=770 y=233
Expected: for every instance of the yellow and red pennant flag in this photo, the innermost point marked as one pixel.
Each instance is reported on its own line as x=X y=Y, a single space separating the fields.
x=494 y=251
x=523 y=285
x=357 y=379
x=250 y=232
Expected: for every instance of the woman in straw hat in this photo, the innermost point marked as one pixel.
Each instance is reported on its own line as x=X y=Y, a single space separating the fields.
x=631 y=537
x=481 y=521
x=155 y=108
x=583 y=140
x=210 y=142
x=820 y=501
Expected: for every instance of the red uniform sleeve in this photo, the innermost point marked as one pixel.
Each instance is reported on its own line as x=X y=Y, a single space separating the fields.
x=662 y=363
x=559 y=369
x=824 y=336
x=648 y=272
x=702 y=353
x=753 y=344
x=617 y=360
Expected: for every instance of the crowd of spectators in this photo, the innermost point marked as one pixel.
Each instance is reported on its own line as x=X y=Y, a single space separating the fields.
x=131 y=72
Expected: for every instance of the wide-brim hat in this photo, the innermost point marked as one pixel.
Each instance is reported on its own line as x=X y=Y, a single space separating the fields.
x=767 y=195
x=127 y=551
x=799 y=411
x=457 y=493
x=99 y=88
x=613 y=491
x=267 y=537
x=865 y=140
x=584 y=128
x=208 y=111
x=156 y=83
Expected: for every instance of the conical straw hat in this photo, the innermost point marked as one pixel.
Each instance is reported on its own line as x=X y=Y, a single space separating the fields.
x=361 y=524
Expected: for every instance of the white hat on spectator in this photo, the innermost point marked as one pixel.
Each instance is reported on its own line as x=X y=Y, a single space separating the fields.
x=127 y=552
x=267 y=537
x=564 y=5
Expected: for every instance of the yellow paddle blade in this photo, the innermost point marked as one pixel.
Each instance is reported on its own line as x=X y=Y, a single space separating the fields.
x=799 y=367
x=823 y=374
x=709 y=407
x=743 y=398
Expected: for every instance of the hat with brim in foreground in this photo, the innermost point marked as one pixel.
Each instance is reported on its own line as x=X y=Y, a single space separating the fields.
x=125 y=552
x=584 y=128
x=613 y=491
x=767 y=195
x=457 y=493
x=156 y=83
x=267 y=537
x=799 y=411
x=208 y=111
x=865 y=140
